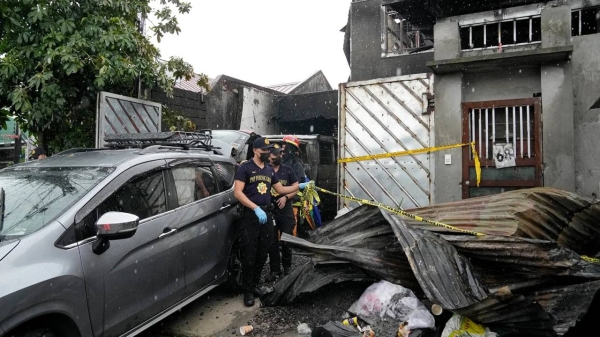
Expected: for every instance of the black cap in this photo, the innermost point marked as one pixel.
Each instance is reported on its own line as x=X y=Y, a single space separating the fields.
x=36 y=153
x=276 y=149
x=262 y=143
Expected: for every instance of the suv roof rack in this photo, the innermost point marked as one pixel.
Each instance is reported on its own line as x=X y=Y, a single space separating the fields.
x=201 y=139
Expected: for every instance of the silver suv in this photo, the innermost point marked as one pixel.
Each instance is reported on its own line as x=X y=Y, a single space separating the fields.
x=107 y=242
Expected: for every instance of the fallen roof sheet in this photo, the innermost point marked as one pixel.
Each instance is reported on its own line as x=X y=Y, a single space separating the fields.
x=567 y=304
x=510 y=283
x=446 y=277
x=312 y=276
x=530 y=257
x=538 y=213
x=386 y=265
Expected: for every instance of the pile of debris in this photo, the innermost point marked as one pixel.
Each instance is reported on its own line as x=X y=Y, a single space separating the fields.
x=530 y=273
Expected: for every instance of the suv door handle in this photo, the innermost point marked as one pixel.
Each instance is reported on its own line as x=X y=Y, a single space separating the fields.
x=169 y=233
x=226 y=205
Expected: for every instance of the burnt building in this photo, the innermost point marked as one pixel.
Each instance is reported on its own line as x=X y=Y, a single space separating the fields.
x=515 y=73
x=304 y=107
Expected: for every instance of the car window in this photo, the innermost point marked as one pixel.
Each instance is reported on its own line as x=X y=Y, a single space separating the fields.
x=225 y=174
x=143 y=196
x=193 y=183
x=34 y=196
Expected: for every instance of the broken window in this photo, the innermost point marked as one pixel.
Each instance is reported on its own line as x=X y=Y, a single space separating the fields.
x=585 y=21
x=401 y=37
x=495 y=34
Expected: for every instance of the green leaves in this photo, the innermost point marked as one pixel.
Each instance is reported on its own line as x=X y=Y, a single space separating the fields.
x=57 y=54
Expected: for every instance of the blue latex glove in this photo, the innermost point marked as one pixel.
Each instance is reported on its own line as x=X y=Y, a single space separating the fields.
x=262 y=216
x=302 y=186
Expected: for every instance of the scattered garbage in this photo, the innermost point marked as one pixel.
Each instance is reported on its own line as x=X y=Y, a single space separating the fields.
x=388 y=300
x=304 y=330
x=337 y=329
x=246 y=329
x=459 y=326
x=368 y=333
x=351 y=321
x=528 y=275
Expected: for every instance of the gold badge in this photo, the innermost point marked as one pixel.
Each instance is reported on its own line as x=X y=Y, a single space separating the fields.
x=276 y=146
x=267 y=141
x=262 y=188
x=273 y=192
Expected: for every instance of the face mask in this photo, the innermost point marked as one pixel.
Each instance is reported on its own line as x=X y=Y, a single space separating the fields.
x=264 y=157
x=276 y=161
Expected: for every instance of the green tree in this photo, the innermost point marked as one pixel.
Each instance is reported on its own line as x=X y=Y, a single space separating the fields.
x=56 y=55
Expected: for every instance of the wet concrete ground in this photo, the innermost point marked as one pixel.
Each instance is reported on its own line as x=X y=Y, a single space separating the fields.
x=218 y=313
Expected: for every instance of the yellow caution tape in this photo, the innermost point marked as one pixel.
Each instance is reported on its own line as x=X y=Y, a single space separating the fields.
x=590 y=259
x=418 y=151
x=398 y=212
x=477 y=163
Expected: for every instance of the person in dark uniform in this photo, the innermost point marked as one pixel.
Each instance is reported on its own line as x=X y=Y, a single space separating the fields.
x=284 y=216
x=38 y=153
x=253 y=182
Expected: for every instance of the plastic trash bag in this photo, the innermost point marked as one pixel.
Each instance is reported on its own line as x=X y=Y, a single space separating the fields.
x=387 y=300
x=460 y=326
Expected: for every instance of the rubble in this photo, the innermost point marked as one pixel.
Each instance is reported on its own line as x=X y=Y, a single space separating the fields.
x=526 y=276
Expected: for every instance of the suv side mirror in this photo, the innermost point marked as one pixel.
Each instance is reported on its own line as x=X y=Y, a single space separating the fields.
x=114 y=226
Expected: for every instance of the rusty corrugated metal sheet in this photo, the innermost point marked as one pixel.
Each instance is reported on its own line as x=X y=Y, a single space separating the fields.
x=446 y=277
x=510 y=283
x=528 y=257
x=386 y=265
x=537 y=213
x=312 y=276
x=567 y=304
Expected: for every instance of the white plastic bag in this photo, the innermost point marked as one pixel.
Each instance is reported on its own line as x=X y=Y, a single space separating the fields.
x=459 y=326
x=387 y=300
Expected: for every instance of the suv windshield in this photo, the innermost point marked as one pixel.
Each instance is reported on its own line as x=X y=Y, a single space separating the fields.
x=35 y=196
x=234 y=138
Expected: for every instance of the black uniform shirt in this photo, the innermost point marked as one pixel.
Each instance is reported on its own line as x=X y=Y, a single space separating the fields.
x=286 y=177
x=258 y=181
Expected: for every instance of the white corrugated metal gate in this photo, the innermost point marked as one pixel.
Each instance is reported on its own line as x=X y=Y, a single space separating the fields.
x=383 y=116
x=118 y=114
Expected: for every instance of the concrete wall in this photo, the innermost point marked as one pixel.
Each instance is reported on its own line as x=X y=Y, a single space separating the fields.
x=448 y=130
x=569 y=136
x=308 y=106
x=558 y=136
x=259 y=112
x=585 y=64
x=447 y=40
x=228 y=100
x=189 y=104
x=366 y=62
x=487 y=86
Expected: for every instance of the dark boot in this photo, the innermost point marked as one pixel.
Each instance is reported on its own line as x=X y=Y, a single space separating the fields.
x=258 y=292
x=248 y=299
x=272 y=277
x=286 y=271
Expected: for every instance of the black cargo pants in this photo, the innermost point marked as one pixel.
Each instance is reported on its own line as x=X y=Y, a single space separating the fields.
x=255 y=241
x=284 y=223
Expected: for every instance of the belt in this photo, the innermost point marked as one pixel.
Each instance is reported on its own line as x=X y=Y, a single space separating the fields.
x=267 y=208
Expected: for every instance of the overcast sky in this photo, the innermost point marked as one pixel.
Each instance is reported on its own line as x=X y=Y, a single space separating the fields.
x=264 y=42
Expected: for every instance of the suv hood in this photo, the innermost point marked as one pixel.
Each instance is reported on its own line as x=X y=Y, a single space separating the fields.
x=6 y=247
